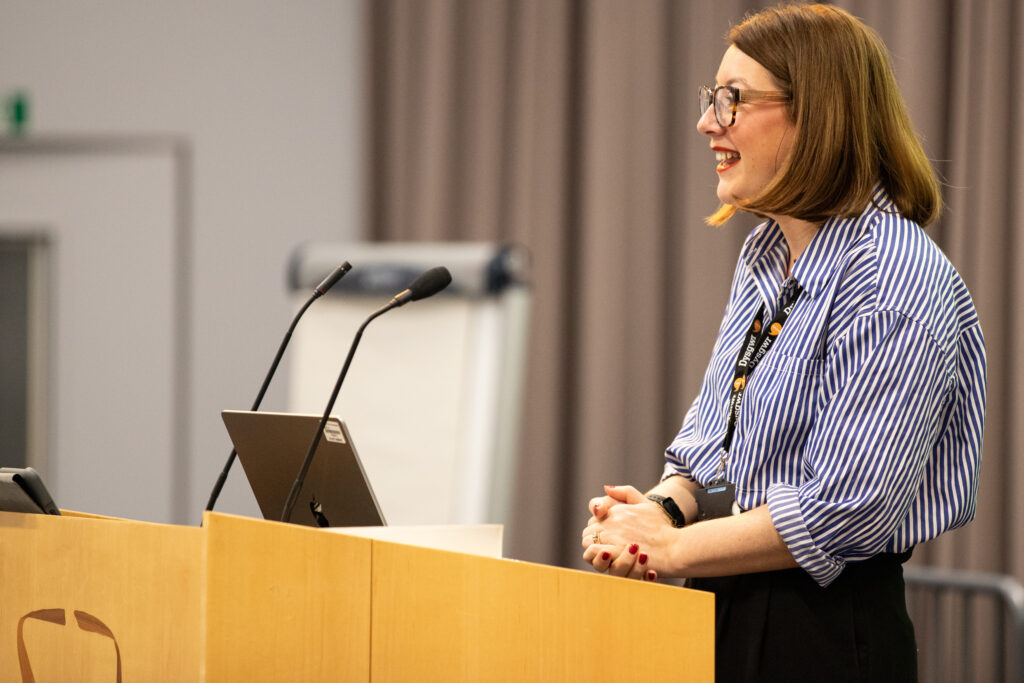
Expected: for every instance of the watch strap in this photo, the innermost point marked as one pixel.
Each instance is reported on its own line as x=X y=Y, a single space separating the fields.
x=671 y=509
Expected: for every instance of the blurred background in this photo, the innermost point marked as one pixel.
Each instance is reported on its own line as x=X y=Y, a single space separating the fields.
x=162 y=161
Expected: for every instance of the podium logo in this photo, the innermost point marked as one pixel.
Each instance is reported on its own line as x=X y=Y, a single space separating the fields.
x=85 y=622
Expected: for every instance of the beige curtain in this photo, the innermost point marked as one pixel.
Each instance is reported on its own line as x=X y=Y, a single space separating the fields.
x=568 y=126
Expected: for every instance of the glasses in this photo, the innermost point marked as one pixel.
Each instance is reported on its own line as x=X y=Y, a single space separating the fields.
x=727 y=100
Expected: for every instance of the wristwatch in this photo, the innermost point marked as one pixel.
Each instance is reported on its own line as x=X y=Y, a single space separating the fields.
x=675 y=515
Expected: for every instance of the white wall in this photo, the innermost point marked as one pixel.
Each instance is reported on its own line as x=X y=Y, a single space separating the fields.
x=269 y=95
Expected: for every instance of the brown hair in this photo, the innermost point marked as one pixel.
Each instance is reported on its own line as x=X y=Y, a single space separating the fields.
x=852 y=127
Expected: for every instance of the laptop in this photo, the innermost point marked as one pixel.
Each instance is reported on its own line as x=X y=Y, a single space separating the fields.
x=271 y=448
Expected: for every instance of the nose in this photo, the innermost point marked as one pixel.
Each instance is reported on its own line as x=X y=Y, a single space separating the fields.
x=708 y=124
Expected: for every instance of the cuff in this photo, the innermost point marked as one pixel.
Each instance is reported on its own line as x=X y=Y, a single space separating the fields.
x=784 y=507
x=671 y=471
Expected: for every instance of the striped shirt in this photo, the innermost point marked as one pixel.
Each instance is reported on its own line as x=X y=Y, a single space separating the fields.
x=861 y=428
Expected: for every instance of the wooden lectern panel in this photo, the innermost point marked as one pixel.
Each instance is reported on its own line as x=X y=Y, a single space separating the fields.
x=247 y=600
x=285 y=603
x=452 y=617
x=81 y=595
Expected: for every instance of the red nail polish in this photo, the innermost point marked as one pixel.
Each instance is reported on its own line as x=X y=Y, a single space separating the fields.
x=642 y=559
x=596 y=508
x=633 y=549
x=605 y=555
x=650 y=575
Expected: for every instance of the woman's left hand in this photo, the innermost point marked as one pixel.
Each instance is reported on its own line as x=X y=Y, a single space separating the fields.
x=629 y=561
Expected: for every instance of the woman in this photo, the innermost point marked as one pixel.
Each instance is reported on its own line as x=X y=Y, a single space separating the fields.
x=839 y=421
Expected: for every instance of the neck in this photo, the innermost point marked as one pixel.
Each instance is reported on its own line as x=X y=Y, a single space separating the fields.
x=798 y=235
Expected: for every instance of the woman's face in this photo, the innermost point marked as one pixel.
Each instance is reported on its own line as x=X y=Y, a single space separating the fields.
x=750 y=152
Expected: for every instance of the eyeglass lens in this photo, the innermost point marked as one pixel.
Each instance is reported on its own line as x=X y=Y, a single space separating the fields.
x=724 y=103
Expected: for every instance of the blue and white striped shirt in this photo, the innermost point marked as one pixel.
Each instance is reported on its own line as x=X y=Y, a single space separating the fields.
x=861 y=428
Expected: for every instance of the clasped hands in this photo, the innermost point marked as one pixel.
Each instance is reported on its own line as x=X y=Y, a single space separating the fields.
x=627 y=534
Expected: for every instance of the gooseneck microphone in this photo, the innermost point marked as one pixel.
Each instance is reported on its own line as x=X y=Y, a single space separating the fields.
x=428 y=284
x=318 y=292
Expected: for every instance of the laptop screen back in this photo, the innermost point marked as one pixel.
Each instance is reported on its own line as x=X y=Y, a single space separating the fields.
x=271 y=448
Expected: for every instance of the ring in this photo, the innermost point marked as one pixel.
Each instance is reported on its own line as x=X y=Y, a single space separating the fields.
x=597 y=537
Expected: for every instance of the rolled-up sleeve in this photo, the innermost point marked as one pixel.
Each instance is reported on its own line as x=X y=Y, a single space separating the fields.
x=889 y=391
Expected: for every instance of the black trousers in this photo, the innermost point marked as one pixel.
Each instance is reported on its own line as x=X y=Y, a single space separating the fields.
x=782 y=626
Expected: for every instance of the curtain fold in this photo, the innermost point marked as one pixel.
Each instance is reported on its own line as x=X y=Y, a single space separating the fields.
x=569 y=126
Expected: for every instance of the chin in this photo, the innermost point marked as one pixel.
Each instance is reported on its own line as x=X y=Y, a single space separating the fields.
x=729 y=193
x=725 y=196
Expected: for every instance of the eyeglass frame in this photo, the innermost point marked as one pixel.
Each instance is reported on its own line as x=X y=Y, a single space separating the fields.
x=747 y=96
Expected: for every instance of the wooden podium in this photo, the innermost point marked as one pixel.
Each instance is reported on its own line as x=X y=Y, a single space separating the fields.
x=238 y=599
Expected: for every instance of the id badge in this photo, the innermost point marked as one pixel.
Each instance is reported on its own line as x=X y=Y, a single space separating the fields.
x=717 y=500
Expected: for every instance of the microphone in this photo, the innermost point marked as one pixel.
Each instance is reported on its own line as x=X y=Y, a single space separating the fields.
x=318 y=291
x=428 y=284
x=331 y=280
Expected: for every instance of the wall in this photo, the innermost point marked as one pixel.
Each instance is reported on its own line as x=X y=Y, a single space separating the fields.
x=269 y=96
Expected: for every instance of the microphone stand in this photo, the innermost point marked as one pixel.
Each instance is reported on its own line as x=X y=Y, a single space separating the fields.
x=428 y=284
x=293 y=495
x=320 y=290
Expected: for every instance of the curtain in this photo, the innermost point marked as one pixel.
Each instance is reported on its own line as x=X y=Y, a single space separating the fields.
x=569 y=126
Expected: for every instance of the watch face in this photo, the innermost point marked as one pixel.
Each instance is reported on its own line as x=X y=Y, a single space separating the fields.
x=667 y=504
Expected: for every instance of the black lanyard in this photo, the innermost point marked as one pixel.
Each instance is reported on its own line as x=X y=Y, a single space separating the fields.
x=759 y=339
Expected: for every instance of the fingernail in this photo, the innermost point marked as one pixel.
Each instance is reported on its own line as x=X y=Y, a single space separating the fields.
x=605 y=555
x=596 y=508
x=642 y=559
x=633 y=549
x=650 y=575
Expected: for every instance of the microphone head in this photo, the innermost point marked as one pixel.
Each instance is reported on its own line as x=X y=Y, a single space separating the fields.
x=430 y=283
x=332 y=278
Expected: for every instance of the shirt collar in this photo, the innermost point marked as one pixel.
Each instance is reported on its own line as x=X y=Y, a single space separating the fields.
x=765 y=252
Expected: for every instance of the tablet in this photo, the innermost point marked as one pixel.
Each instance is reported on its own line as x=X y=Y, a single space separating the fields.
x=22 y=490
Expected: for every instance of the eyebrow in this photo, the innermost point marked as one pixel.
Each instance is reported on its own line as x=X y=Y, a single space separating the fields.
x=735 y=82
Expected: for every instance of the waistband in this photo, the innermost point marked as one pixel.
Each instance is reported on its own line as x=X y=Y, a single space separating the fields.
x=881 y=566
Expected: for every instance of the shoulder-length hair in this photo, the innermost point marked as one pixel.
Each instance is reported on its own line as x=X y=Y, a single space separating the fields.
x=852 y=127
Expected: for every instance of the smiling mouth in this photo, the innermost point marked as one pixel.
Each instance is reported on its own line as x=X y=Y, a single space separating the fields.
x=726 y=160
